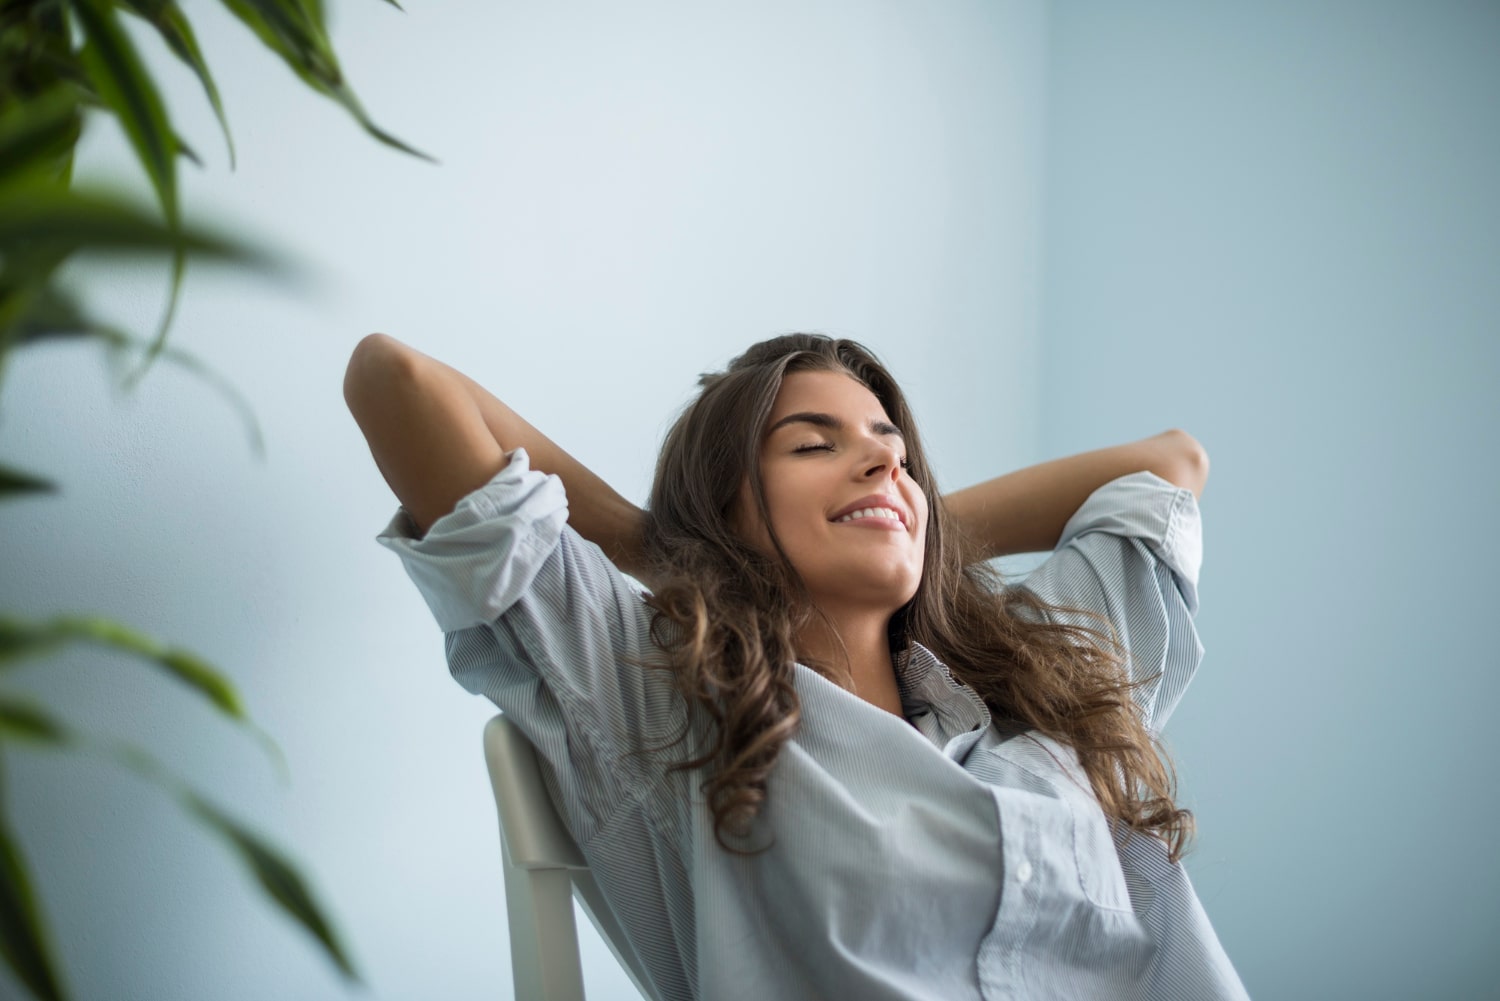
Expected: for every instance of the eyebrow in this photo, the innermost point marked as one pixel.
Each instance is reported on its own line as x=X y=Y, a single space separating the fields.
x=832 y=423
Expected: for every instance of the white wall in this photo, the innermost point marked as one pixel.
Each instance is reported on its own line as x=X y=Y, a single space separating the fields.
x=1277 y=225
x=628 y=196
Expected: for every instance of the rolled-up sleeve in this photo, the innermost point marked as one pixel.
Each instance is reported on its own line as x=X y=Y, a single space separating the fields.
x=478 y=559
x=1132 y=553
x=540 y=622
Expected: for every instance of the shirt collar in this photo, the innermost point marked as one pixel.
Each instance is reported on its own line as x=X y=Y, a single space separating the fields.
x=926 y=684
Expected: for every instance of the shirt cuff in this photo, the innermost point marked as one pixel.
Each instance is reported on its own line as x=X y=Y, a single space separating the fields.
x=1161 y=514
x=477 y=560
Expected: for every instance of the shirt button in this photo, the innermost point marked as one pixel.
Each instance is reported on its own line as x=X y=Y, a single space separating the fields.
x=1023 y=872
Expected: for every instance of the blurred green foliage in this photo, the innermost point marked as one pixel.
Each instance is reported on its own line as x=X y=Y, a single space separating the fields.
x=63 y=63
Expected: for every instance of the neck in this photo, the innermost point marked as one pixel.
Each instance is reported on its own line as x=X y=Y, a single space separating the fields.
x=865 y=654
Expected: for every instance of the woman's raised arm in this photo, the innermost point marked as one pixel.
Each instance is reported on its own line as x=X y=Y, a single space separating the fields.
x=437 y=435
x=1026 y=511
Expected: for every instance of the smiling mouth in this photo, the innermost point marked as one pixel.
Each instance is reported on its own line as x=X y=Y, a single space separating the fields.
x=877 y=517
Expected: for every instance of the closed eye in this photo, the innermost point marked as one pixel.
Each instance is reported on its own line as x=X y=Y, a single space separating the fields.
x=828 y=447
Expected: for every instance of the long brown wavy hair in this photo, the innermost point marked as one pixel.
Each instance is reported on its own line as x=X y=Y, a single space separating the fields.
x=726 y=614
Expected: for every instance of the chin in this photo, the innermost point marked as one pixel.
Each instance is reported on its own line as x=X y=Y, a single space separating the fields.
x=890 y=592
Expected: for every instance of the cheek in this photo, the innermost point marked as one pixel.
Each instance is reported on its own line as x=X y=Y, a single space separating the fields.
x=776 y=490
x=778 y=522
x=923 y=509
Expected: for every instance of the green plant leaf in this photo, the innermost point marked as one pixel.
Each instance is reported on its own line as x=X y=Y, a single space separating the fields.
x=35 y=48
x=42 y=223
x=23 y=938
x=295 y=32
x=122 y=83
x=17 y=642
x=277 y=876
x=49 y=217
x=39 y=133
x=127 y=89
x=343 y=95
x=13 y=481
x=28 y=723
x=19 y=639
x=170 y=22
x=54 y=314
x=184 y=150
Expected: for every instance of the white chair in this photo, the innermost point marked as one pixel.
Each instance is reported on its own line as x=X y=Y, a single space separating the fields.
x=544 y=871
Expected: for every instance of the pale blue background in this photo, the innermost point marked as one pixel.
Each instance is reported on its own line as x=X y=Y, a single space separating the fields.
x=1063 y=225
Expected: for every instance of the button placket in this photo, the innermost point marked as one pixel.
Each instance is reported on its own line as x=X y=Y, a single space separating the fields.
x=1001 y=968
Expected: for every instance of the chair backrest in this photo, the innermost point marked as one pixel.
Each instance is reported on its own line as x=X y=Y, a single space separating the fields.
x=544 y=871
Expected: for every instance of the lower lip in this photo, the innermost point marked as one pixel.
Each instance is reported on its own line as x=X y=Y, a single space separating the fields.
x=889 y=524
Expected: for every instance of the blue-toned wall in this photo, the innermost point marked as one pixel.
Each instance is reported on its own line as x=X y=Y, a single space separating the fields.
x=1277 y=226
x=1064 y=225
x=628 y=196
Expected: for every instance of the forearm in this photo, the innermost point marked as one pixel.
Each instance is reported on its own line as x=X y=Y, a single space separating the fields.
x=595 y=510
x=1025 y=511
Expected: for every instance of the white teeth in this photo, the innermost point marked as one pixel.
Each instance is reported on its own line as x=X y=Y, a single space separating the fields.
x=870 y=512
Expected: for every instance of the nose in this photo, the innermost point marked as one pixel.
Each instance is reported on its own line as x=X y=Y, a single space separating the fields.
x=884 y=461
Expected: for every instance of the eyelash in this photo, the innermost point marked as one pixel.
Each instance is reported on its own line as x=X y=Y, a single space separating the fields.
x=827 y=447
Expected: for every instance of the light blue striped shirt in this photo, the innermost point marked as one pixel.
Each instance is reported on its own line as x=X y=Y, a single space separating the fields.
x=939 y=858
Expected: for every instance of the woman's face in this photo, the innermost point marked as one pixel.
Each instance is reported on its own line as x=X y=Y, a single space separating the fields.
x=830 y=450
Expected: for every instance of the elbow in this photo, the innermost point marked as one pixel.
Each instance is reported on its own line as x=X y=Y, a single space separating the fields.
x=1190 y=468
x=376 y=361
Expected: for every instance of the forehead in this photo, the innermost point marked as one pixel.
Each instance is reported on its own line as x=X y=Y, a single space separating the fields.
x=836 y=393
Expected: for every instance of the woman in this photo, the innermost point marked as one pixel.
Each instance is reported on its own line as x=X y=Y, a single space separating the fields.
x=828 y=754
